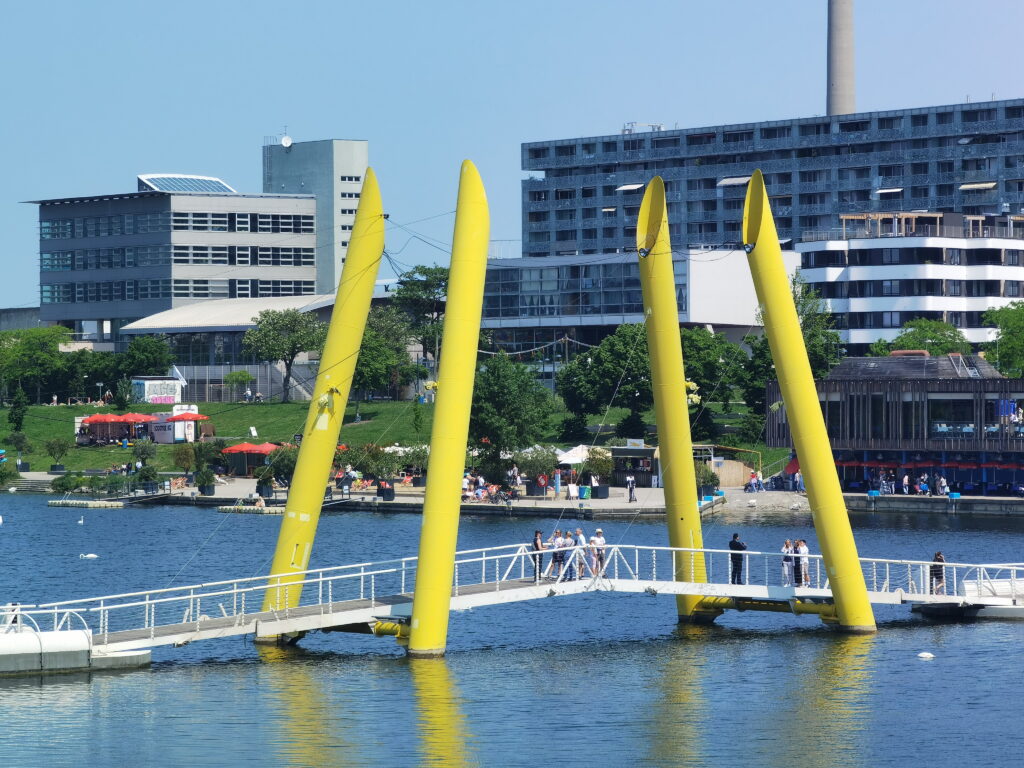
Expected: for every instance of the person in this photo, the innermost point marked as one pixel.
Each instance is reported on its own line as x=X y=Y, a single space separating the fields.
x=259 y=397
x=737 y=546
x=581 y=542
x=597 y=542
x=631 y=486
x=943 y=486
x=538 y=557
x=760 y=481
x=557 y=556
x=937 y=575
x=805 y=562
x=751 y=486
x=260 y=504
x=592 y=555
x=906 y=484
x=787 y=563
x=248 y=395
x=799 y=480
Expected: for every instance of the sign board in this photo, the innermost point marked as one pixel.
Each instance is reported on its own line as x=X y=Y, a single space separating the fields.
x=156 y=389
x=297 y=438
x=634 y=442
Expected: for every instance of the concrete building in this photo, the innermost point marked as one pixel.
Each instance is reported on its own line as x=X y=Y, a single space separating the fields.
x=332 y=170
x=583 y=194
x=19 y=318
x=106 y=260
x=879 y=271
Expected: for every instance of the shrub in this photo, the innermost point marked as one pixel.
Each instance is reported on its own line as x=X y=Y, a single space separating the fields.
x=67 y=483
x=632 y=425
x=751 y=428
x=184 y=456
x=264 y=474
x=536 y=461
x=705 y=475
x=19 y=441
x=8 y=473
x=417 y=457
x=574 y=427
x=144 y=450
x=147 y=474
x=205 y=476
x=599 y=462
x=58 y=448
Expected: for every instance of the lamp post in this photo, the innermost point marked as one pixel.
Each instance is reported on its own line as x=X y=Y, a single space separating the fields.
x=99 y=390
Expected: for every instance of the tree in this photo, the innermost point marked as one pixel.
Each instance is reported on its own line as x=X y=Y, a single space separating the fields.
x=58 y=448
x=19 y=408
x=283 y=336
x=824 y=347
x=934 y=336
x=1007 y=351
x=146 y=356
x=238 y=381
x=144 y=451
x=184 y=456
x=384 y=362
x=421 y=296
x=123 y=395
x=510 y=408
x=33 y=358
x=712 y=362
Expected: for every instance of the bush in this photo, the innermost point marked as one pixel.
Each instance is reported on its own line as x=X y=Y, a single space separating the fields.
x=632 y=425
x=705 y=475
x=283 y=461
x=264 y=474
x=751 y=428
x=58 y=448
x=599 y=462
x=8 y=473
x=206 y=454
x=536 y=461
x=123 y=395
x=147 y=474
x=574 y=427
x=205 y=476
x=417 y=457
x=19 y=441
x=184 y=456
x=67 y=483
x=144 y=451
x=19 y=408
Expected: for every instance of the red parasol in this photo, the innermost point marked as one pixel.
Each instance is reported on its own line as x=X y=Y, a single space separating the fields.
x=263 y=448
x=136 y=418
x=101 y=418
x=189 y=417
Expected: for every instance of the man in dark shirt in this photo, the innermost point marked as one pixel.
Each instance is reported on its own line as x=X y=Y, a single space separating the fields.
x=736 y=546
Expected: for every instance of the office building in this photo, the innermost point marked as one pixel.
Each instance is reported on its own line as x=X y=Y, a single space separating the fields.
x=106 y=260
x=584 y=193
x=876 y=272
x=332 y=170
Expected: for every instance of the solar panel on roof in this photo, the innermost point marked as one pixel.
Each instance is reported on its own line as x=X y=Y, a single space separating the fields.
x=185 y=184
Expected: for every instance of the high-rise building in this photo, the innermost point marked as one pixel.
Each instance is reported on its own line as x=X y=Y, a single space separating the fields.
x=584 y=193
x=106 y=260
x=331 y=170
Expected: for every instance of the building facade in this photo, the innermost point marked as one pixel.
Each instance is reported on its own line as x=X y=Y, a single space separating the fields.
x=948 y=415
x=107 y=260
x=584 y=194
x=876 y=272
x=332 y=170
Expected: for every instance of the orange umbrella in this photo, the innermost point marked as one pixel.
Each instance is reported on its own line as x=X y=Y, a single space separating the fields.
x=265 y=448
x=189 y=417
x=241 y=448
x=101 y=418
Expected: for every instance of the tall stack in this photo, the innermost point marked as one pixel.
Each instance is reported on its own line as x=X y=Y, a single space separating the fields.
x=840 y=97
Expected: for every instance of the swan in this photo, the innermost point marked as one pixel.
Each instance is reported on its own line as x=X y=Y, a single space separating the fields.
x=81 y=520
x=752 y=503
x=90 y=556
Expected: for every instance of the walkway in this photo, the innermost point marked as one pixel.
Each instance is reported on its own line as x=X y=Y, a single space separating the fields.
x=352 y=597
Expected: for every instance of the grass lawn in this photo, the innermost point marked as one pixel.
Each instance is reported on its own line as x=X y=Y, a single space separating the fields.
x=381 y=422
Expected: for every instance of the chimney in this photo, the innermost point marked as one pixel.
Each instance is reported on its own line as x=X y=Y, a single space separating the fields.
x=840 y=95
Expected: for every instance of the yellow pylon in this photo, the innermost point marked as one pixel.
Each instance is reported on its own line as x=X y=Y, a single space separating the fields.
x=806 y=424
x=428 y=633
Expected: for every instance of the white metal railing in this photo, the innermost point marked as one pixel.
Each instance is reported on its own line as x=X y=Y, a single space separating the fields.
x=492 y=567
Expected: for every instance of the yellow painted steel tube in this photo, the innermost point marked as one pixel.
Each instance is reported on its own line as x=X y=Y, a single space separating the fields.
x=432 y=596
x=330 y=394
x=668 y=383
x=803 y=410
x=441 y=724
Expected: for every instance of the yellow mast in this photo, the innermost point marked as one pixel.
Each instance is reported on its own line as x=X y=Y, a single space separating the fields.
x=668 y=382
x=330 y=394
x=428 y=631
x=761 y=241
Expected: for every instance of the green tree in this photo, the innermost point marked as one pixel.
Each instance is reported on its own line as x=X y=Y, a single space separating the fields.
x=384 y=362
x=144 y=451
x=713 y=363
x=237 y=381
x=58 y=448
x=33 y=357
x=824 y=347
x=283 y=336
x=1007 y=351
x=146 y=356
x=934 y=336
x=510 y=408
x=184 y=456
x=421 y=296
x=123 y=395
x=19 y=409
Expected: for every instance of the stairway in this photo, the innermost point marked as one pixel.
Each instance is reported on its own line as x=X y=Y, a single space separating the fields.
x=31 y=486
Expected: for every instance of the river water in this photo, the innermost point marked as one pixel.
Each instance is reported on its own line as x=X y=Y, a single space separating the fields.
x=597 y=679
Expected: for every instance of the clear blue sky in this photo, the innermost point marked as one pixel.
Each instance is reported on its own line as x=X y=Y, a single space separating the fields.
x=96 y=93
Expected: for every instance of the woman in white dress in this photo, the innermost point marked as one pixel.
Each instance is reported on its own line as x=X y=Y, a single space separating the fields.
x=805 y=561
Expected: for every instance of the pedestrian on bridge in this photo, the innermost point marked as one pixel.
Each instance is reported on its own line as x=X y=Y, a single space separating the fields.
x=737 y=546
x=538 y=557
x=597 y=543
x=937 y=575
x=803 y=575
x=787 y=563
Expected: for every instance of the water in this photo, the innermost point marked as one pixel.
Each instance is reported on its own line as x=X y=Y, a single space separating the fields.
x=602 y=679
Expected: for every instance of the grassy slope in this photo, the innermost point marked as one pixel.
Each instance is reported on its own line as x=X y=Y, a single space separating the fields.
x=382 y=422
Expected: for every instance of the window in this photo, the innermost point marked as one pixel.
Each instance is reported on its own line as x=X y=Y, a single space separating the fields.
x=351 y=178
x=589 y=213
x=890 y=255
x=565 y=194
x=566 y=150
x=588 y=192
x=534 y=216
x=890 y=287
x=538 y=153
x=350 y=195
x=978 y=115
x=954 y=287
x=609 y=212
x=943 y=118
x=813 y=176
x=609 y=147
x=854 y=126
x=1012 y=288
x=608 y=232
x=918 y=168
x=849 y=174
x=733 y=137
x=890 y=170
x=816 y=129
x=563 y=235
x=589 y=234
x=779 y=132
x=589 y=148
x=890 y=319
x=538 y=195
x=665 y=143
x=953 y=255
x=889 y=123
x=918 y=121
x=1013 y=258
x=565 y=215
x=632 y=145
x=540 y=237
x=348 y=211
x=700 y=139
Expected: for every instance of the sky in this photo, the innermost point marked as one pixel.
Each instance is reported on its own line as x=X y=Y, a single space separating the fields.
x=96 y=93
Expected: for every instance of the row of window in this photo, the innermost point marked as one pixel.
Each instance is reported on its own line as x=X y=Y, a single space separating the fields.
x=858 y=320
x=162 y=255
x=608 y=302
x=860 y=289
x=144 y=223
x=869 y=257
x=891 y=122
x=165 y=288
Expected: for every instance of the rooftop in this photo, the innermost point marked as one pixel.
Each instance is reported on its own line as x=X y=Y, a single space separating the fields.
x=183 y=182
x=915 y=366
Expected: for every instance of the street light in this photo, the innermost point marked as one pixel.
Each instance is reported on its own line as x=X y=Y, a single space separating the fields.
x=99 y=390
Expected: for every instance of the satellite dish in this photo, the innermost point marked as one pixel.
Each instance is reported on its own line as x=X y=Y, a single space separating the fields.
x=286 y=141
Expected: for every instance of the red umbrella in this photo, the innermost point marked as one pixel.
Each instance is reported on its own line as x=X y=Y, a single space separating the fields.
x=136 y=418
x=241 y=448
x=189 y=417
x=265 y=448
x=101 y=418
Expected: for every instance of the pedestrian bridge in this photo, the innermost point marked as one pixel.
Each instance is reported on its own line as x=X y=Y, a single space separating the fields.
x=354 y=597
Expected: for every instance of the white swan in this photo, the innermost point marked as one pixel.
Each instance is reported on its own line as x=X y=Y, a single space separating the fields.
x=12 y=489
x=81 y=520
x=90 y=556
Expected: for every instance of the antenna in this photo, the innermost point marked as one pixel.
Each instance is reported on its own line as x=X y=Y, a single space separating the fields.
x=286 y=141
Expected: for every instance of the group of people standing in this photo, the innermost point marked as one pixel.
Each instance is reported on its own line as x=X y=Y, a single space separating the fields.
x=796 y=563
x=885 y=482
x=588 y=554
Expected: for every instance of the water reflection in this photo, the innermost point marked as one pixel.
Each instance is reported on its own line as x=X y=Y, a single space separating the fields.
x=309 y=736
x=679 y=719
x=442 y=725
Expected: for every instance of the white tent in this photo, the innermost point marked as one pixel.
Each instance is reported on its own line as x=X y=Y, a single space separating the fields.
x=577 y=455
